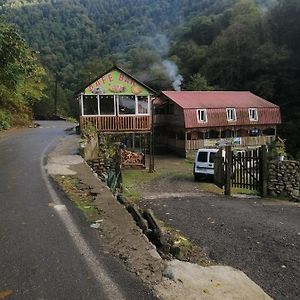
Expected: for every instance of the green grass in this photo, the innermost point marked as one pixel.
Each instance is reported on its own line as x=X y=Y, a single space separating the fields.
x=133 y=181
x=82 y=198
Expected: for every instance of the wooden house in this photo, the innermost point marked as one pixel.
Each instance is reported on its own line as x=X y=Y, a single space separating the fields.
x=189 y=120
x=116 y=102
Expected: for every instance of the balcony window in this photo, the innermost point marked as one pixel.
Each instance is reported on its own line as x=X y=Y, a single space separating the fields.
x=90 y=105
x=107 y=105
x=126 y=105
x=231 y=114
x=201 y=115
x=253 y=114
x=142 y=105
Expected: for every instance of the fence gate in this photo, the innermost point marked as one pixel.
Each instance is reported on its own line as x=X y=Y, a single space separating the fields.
x=246 y=169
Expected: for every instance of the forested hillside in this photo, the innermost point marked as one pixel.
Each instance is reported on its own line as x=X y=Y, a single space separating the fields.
x=221 y=44
x=21 y=79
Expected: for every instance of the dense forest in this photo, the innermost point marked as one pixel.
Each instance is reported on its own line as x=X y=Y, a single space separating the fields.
x=197 y=44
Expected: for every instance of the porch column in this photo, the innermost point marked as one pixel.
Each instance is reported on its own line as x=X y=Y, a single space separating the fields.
x=98 y=103
x=81 y=104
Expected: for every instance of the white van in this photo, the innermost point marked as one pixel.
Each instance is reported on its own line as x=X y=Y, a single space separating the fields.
x=204 y=163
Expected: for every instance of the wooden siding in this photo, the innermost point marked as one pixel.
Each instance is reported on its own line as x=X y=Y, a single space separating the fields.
x=117 y=123
x=169 y=119
x=194 y=144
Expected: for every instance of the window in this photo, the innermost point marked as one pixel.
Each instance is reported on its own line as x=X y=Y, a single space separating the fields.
x=212 y=157
x=142 y=105
x=201 y=115
x=202 y=156
x=126 y=105
x=253 y=114
x=107 y=105
x=90 y=105
x=231 y=114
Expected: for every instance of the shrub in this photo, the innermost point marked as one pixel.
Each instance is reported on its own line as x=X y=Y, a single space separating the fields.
x=4 y=120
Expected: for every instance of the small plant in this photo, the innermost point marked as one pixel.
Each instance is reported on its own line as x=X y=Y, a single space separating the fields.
x=4 y=120
x=277 y=148
x=89 y=131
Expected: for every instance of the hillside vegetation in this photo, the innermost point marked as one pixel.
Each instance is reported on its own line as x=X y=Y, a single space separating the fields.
x=221 y=44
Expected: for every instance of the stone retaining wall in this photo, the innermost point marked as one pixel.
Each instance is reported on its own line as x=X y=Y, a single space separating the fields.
x=284 y=178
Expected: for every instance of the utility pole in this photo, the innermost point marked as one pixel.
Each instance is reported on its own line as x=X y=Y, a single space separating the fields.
x=55 y=95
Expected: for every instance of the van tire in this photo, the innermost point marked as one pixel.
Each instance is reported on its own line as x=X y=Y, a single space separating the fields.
x=196 y=177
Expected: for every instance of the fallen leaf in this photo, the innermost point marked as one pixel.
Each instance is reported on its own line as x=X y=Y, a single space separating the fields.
x=5 y=294
x=51 y=204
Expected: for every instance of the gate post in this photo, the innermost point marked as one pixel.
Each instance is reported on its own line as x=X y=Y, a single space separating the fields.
x=263 y=171
x=228 y=170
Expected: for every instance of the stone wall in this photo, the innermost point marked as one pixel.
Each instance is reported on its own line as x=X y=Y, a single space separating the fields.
x=284 y=178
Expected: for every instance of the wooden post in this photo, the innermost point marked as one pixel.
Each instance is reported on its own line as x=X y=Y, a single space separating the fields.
x=263 y=171
x=151 y=150
x=228 y=170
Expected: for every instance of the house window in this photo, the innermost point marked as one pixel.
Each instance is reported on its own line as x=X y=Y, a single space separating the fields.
x=90 y=105
x=201 y=115
x=142 y=105
x=107 y=105
x=253 y=114
x=231 y=114
x=126 y=105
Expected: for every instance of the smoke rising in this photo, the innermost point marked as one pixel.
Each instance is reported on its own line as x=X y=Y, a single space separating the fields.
x=172 y=71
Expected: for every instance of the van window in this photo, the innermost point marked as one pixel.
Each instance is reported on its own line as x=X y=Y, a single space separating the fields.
x=202 y=157
x=212 y=157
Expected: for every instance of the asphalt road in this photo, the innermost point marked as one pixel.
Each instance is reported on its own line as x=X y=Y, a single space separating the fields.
x=259 y=237
x=39 y=257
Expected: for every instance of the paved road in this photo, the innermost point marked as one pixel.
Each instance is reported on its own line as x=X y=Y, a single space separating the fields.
x=261 y=238
x=43 y=255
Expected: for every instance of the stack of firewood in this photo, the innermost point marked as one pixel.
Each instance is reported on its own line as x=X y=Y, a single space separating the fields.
x=130 y=158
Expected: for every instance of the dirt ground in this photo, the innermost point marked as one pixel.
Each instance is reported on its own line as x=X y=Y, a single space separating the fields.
x=172 y=176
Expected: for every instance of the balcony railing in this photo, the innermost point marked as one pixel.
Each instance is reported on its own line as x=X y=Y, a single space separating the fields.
x=117 y=123
x=245 y=141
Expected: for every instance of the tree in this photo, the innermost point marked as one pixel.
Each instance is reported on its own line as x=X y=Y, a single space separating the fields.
x=21 y=78
x=197 y=82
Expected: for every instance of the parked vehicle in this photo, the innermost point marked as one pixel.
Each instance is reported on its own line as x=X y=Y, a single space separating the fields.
x=204 y=162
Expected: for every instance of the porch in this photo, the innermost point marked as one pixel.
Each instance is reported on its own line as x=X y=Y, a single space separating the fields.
x=132 y=123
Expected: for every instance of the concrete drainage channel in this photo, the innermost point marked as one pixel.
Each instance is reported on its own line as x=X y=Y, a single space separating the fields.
x=146 y=220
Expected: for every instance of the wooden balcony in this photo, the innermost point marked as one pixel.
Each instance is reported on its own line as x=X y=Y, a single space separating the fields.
x=117 y=123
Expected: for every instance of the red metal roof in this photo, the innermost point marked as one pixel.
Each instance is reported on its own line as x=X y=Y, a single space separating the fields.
x=216 y=103
x=216 y=99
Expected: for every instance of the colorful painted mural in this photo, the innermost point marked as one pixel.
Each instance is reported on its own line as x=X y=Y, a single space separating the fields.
x=116 y=82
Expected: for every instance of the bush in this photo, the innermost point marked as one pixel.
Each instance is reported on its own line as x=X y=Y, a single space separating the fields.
x=4 y=120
